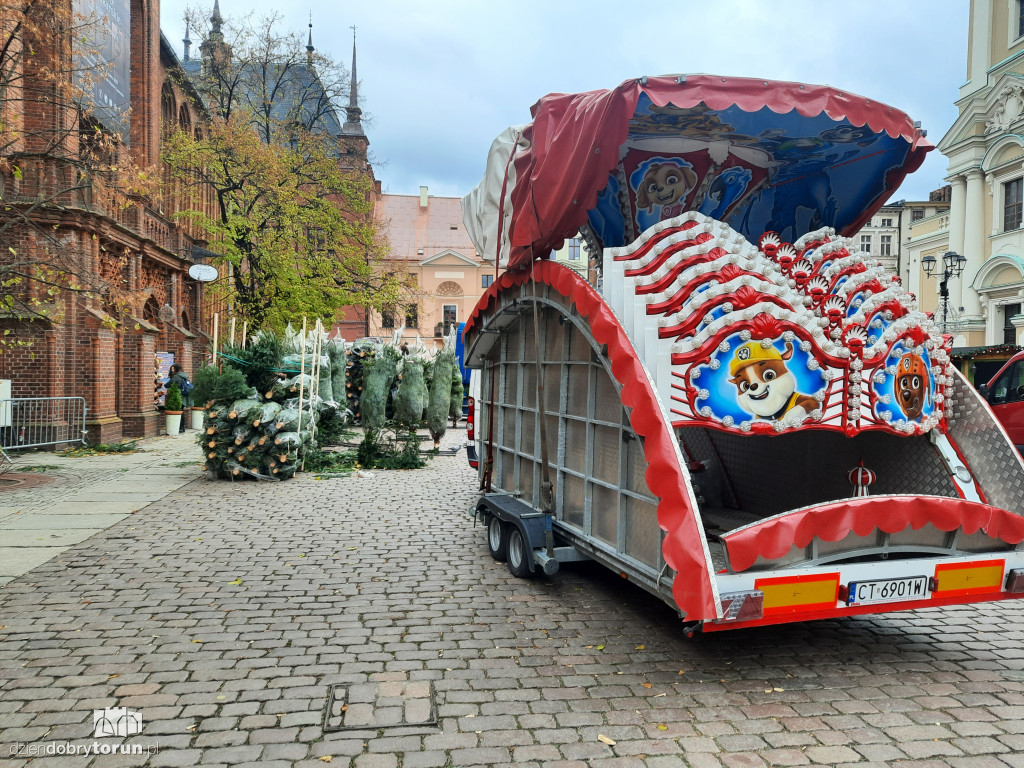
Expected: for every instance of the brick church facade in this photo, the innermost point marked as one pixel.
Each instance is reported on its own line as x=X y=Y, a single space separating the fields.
x=90 y=347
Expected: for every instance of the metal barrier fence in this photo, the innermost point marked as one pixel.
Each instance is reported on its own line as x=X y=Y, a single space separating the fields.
x=34 y=422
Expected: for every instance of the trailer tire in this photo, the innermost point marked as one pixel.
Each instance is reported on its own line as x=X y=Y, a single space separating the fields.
x=518 y=554
x=497 y=538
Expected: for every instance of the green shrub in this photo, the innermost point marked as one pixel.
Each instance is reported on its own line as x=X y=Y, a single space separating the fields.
x=173 y=400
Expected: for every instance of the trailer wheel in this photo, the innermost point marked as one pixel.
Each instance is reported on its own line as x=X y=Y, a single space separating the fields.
x=497 y=538
x=518 y=565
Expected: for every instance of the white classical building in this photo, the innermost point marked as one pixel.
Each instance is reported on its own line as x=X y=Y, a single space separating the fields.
x=985 y=147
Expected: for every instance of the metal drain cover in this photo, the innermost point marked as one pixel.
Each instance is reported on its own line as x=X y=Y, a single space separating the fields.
x=371 y=706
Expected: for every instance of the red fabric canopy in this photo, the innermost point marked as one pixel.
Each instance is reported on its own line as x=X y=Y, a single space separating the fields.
x=574 y=141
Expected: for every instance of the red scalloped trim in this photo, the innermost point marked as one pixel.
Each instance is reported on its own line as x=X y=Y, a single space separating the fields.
x=683 y=546
x=831 y=522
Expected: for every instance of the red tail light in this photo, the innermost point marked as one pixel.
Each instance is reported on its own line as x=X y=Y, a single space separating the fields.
x=470 y=417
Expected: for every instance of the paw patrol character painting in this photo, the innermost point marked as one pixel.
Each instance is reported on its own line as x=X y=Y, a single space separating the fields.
x=665 y=185
x=912 y=386
x=764 y=384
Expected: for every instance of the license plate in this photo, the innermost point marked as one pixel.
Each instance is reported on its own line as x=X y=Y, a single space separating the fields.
x=888 y=590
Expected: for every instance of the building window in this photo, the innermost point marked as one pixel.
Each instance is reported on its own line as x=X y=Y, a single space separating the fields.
x=885 y=246
x=574 y=249
x=1020 y=18
x=865 y=243
x=886 y=222
x=387 y=318
x=1012 y=204
x=412 y=316
x=486 y=280
x=1009 y=332
x=917 y=214
x=449 y=318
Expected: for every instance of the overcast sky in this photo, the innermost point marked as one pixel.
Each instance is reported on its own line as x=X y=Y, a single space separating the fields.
x=439 y=79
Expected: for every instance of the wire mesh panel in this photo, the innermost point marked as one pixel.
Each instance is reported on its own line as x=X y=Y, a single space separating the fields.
x=575 y=456
x=572 y=500
x=642 y=534
x=606 y=454
x=596 y=462
x=604 y=513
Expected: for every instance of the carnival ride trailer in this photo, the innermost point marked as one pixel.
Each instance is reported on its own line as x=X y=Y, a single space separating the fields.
x=746 y=416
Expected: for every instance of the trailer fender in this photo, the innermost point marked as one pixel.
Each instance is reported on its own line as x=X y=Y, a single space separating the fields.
x=511 y=511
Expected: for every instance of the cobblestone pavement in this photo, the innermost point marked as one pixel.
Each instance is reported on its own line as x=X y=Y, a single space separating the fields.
x=227 y=614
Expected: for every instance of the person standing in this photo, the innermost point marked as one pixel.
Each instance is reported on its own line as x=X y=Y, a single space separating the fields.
x=179 y=377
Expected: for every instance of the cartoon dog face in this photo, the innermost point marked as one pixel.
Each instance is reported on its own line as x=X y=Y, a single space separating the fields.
x=665 y=184
x=765 y=387
x=911 y=385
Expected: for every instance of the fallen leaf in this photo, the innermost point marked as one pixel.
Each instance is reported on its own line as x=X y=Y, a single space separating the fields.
x=662 y=727
x=767 y=690
x=197 y=641
x=236 y=581
x=641 y=647
x=605 y=740
x=779 y=690
x=222 y=696
x=681 y=672
x=646 y=685
x=326 y=759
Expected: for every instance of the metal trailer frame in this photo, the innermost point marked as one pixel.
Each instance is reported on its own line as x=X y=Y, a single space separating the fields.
x=508 y=504
x=504 y=351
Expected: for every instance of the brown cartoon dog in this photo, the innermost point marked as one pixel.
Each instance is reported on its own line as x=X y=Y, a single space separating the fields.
x=766 y=387
x=666 y=185
x=912 y=385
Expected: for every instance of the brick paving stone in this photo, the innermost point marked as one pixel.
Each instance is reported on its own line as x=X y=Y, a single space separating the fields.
x=175 y=758
x=785 y=757
x=831 y=755
x=742 y=760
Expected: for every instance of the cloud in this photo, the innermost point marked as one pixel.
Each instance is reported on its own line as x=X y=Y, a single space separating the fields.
x=442 y=79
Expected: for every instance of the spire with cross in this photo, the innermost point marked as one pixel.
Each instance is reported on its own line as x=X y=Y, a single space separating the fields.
x=353 y=122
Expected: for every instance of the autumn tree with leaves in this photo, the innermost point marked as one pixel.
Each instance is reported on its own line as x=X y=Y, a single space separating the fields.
x=292 y=218
x=60 y=160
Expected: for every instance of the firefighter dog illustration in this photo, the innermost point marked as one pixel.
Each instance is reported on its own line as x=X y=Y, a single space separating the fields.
x=765 y=387
x=912 y=385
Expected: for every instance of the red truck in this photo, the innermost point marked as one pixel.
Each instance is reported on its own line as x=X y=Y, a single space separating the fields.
x=1005 y=393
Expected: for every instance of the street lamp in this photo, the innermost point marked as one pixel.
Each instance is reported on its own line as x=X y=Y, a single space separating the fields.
x=952 y=266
